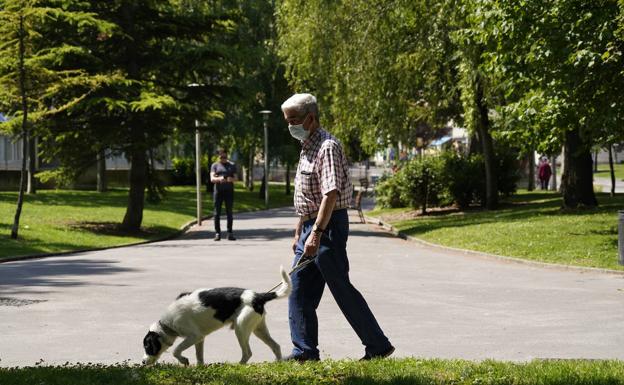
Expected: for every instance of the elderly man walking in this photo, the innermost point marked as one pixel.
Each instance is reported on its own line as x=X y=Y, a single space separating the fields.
x=323 y=193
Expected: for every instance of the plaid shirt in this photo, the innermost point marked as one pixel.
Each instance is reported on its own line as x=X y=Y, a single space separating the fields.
x=322 y=168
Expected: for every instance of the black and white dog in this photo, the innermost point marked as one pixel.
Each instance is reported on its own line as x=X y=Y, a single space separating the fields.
x=193 y=316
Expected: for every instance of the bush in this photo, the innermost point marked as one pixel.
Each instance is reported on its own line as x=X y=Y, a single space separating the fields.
x=183 y=173
x=450 y=178
x=464 y=178
x=387 y=192
x=507 y=170
x=420 y=182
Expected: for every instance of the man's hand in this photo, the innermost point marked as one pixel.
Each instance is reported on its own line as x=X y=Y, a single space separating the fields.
x=295 y=241
x=312 y=244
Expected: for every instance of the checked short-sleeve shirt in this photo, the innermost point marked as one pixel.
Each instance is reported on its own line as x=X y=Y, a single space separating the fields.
x=323 y=167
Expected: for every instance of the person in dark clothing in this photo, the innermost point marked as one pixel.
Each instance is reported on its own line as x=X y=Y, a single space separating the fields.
x=544 y=172
x=223 y=174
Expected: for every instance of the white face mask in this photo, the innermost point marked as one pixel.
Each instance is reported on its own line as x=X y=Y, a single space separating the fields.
x=298 y=132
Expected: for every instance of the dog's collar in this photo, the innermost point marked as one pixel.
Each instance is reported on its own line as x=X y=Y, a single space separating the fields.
x=168 y=331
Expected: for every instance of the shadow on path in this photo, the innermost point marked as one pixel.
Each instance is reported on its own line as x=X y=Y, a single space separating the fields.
x=16 y=276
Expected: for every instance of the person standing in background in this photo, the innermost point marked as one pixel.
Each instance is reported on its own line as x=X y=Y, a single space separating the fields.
x=223 y=175
x=543 y=173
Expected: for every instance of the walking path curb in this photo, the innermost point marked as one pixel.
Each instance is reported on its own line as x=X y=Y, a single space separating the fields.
x=481 y=254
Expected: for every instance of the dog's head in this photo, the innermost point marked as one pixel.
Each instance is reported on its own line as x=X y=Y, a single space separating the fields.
x=154 y=346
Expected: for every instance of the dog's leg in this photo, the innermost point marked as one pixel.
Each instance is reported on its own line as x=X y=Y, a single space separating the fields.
x=199 y=352
x=243 y=333
x=243 y=326
x=262 y=332
x=185 y=344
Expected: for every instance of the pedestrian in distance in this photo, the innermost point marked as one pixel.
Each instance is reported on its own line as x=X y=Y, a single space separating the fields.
x=544 y=173
x=323 y=192
x=223 y=175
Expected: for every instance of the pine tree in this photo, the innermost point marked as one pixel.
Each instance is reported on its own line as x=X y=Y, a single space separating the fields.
x=34 y=71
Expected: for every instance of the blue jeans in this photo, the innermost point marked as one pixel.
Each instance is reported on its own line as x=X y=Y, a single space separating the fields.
x=331 y=267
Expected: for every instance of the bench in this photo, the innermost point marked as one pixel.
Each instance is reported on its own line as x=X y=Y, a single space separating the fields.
x=357 y=205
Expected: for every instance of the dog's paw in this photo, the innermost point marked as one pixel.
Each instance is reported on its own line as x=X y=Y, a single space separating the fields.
x=183 y=360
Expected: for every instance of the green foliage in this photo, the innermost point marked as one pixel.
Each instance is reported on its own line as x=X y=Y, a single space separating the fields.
x=447 y=179
x=420 y=181
x=183 y=173
x=32 y=50
x=463 y=177
x=388 y=192
x=399 y=87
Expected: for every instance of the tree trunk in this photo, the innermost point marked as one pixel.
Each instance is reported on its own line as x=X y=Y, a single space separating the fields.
x=611 y=170
x=287 y=178
x=22 y=81
x=553 y=185
x=136 y=198
x=474 y=144
x=262 y=187
x=32 y=164
x=487 y=145
x=250 y=182
x=595 y=161
x=101 y=171
x=577 y=179
x=531 y=168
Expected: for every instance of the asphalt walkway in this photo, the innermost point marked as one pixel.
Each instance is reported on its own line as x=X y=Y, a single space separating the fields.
x=96 y=306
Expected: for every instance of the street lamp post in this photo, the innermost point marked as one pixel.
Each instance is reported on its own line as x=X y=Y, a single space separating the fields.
x=198 y=173
x=265 y=115
x=198 y=181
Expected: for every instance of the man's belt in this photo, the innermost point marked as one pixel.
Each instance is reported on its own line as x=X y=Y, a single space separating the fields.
x=313 y=215
x=309 y=216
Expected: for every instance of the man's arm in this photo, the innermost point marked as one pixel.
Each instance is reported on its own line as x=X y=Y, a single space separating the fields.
x=234 y=174
x=324 y=215
x=298 y=228
x=214 y=178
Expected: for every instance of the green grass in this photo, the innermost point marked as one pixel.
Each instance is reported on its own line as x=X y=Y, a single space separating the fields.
x=530 y=226
x=381 y=372
x=65 y=220
x=604 y=172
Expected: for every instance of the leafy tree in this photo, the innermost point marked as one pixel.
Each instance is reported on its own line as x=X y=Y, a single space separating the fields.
x=37 y=77
x=562 y=68
x=156 y=50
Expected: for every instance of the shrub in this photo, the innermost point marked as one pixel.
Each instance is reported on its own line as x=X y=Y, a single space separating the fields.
x=420 y=182
x=507 y=170
x=387 y=192
x=450 y=178
x=464 y=178
x=183 y=173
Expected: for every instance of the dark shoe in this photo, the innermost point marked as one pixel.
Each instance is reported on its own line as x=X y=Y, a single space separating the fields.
x=301 y=358
x=217 y=237
x=384 y=354
x=231 y=237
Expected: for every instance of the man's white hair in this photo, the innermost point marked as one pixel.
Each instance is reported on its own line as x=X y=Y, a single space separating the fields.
x=302 y=103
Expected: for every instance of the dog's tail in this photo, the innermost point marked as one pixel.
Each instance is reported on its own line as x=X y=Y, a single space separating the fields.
x=283 y=290
x=286 y=285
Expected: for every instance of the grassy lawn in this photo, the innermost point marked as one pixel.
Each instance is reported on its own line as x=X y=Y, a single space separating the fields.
x=381 y=372
x=529 y=226
x=64 y=220
x=604 y=172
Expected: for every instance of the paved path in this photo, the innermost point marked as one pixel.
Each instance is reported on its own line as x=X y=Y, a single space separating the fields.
x=96 y=306
x=605 y=184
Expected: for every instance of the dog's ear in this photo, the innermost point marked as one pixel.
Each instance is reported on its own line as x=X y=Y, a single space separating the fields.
x=151 y=343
